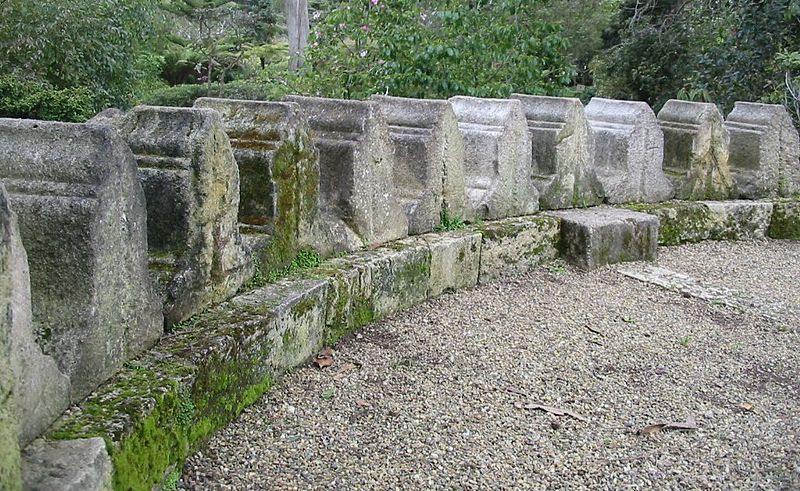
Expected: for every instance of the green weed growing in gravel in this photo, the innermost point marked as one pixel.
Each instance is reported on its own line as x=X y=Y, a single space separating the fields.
x=684 y=341
x=171 y=482
x=328 y=394
x=557 y=266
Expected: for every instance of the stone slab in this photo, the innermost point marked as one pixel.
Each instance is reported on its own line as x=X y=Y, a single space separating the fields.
x=82 y=220
x=455 y=260
x=497 y=166
x=356 y=170
x=764 y=151
x=562 y=152
x=428 y=159
x=629 y=151
x=695 y=221
x=696 y=150
x=599 y=236
x=516 y=245
x=785 y=222
x=191 y=183
x=70 y=465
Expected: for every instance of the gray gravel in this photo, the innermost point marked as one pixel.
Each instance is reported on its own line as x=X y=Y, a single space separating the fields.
x=440 y=395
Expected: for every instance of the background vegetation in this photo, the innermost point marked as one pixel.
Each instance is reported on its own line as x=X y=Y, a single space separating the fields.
x=67 y=59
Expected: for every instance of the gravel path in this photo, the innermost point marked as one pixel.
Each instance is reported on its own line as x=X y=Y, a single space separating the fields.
x=444 y=396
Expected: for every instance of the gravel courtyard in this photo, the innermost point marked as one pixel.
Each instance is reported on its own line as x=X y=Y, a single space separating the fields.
x=556 y=379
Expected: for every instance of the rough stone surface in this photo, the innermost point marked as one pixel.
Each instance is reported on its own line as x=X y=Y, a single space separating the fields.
x=516 y=245
x=41 y=391
x=428 y=160
x=785 y=222
x=695 y=221
x=455 y=260
x=191 y=183
x=163 y=405
x=71 y=465
x=629 y=151
x=765 y=151
x=696 y=146
x=82 y=220
x=356 y=170
x=278 y=175
x=563 y=152
x=600 y=236
x=497 y=166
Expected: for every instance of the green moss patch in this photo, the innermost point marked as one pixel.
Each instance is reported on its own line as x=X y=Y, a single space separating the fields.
x=785 y=222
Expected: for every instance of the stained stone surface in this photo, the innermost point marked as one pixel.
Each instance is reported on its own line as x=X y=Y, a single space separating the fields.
x=516 y=245
x=356 y=171
x=595 y=237
x=629 y=151
x=764 y=151
x=82 y=220
x=191 y=181
x=41 y=391
x=70 y=465
x=428 y=160
x=278 y=174
x=696 y=149
x=497 y=164
x=695 y=221
x=562 y=150
x=785 y=222
x=455 y=260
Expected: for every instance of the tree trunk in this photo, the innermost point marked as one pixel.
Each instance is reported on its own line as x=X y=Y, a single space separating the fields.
x=296 y=12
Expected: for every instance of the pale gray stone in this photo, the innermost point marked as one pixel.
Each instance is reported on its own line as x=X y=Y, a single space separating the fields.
x=67 y=465
x=455 y=260
x=297 y=26
x=596 y=237
x=356 y=170
x=629 y=151
x=516 y=245
x=563 y=152
x=429 y=160
x=497 y=166
x=740 y=219
x=696 y=148
x=41 y=391
x=82 y=220
x=278 y=176
x=764 y=151
x=191 y=183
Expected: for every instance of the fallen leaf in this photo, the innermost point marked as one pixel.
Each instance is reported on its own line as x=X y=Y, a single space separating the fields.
x=651 y=429
x=362 y=403
x=746 y=406
x=689 y=424
x=514 y=390
x=557 y=411
x=324 y=358
x=344 y=370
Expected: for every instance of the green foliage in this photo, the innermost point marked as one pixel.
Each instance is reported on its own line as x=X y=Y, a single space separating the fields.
x=449 y=222
x=185 y=95
x=77 y=43
x=305 y=259
x=435 y=50
x=37 y=100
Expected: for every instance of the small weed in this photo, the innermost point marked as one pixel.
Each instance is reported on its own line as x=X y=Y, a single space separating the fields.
x=557 y=266
x=628 y=320
x=185 y=324
x=449 y=223
x=684 y=341
x=328 y=394
x=134 y=365
x=305 y=259
x=171 y=482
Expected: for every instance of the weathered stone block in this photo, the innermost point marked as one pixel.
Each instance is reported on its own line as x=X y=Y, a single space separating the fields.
x=785 y=222
x=516 y=245
x=455 y=260
x=161 y=407
x=356 y=170
x=191 y=183
x=278 y=175
x=629 y=151
x=41 y=391
x=82 y=219
x=70 y=465
x=695 y=221
x=764 y=152
x=497 y=164
x=563 y=152
x=428 y=160
x=600 y=236
x=696 y=150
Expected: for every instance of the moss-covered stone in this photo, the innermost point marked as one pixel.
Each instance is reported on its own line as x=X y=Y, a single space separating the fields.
x=455 y=260
x=785 y=222
x=515 y=245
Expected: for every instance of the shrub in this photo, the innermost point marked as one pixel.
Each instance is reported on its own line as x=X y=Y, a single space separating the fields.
x=38 y=100
x=185 y=95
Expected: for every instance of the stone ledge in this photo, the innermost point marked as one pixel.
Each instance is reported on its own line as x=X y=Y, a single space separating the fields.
x=785 y=222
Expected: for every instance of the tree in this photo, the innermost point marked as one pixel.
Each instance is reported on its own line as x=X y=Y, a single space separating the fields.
x=77 y=43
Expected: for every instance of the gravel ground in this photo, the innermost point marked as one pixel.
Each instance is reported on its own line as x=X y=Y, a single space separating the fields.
x=443 y=396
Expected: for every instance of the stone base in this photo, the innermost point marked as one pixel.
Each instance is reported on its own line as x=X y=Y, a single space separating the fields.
x=695 y=221
x=516 y=245
x=597 y=237
x=455 y=261
x=785 y=222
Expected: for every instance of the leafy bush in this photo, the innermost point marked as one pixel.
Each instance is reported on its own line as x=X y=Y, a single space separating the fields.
x=185 y=95
x=37 y=100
